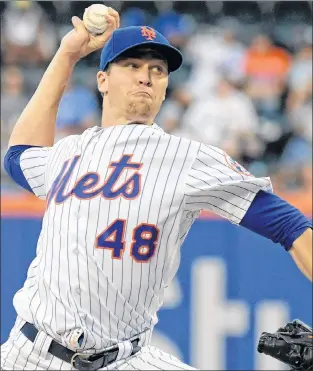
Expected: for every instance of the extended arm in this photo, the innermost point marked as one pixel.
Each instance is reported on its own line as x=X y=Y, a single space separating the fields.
x=273 y=218
x=301 y=252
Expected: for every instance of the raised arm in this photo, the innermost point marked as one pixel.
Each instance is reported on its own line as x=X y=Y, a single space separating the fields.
x=36 y=125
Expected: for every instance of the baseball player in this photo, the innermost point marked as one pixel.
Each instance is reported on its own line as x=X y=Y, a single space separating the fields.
x=120 y=200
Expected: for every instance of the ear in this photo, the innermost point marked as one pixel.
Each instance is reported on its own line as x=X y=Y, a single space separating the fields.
x=102 y=81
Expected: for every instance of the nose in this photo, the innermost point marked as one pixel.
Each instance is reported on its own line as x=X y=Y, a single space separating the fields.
x=145 y=83
x=144 y=77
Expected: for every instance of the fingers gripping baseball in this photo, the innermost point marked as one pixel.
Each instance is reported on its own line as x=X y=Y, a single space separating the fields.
x=79 y=42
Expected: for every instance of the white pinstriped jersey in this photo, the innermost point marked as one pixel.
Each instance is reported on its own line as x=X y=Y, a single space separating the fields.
x=120 y=202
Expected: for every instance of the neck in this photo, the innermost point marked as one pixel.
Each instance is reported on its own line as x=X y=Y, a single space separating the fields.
x=112 y=118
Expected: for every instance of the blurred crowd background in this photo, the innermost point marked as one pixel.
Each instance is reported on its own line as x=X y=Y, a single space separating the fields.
x=246 y=84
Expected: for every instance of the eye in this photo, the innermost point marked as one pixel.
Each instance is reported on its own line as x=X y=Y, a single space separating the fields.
x=158 y=70
x=131 y=65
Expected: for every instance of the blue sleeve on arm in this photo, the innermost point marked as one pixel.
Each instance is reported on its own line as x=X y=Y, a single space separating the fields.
x=13 y=167
x=274 y=218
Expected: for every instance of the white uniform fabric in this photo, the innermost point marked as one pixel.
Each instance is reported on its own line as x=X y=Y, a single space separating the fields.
x=18 y=353
x=120 y=202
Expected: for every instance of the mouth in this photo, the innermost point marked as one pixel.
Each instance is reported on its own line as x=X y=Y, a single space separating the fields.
x=142 y=94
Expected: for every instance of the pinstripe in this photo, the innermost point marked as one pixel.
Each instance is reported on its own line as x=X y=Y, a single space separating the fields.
x=68 y=261
x=148 y=171
x=230 y=185
x=225 y=166
x=87 y=258
x=126 y=229
x=202 y=180
x=31 y=158
x=18 y=354
x=119 y=201
x=79 y=285
x=39 y=186
x=207 y=173
x=40 y=351
x=9 y=352
x=151 y=364
x=35 y=176
x=98 y=280
x=132 y=263
x=34 y=167
x=219 y=198
x=45 y=265
x=180 y=207
x=129 y=364
x=168 y=144
x=215 y=168
x=161 y=237
x=157 y=258
x=214 y=206
x=181 y=203
x=217 y=190
x=29 y=354
x=114 y=299
x=162 y=359
x=36 y=149
x=107 y=223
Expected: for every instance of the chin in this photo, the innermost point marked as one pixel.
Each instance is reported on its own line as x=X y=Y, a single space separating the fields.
x=140 y=108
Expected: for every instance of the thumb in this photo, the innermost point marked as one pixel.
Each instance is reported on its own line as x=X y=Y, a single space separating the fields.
x=79 y=24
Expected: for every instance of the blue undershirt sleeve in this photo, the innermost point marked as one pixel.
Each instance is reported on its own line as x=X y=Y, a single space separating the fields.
x=274 y=218
x=12 y=165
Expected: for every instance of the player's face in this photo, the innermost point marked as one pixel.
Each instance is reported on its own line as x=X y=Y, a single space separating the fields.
x=136 y=86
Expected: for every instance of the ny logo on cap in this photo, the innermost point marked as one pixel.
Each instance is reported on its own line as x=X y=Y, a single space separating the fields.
x=148 y=33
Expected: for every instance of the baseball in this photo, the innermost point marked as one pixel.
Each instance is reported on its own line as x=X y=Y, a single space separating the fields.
x=94 y=18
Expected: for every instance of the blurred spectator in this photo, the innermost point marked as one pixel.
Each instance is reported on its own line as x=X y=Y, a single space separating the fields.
x=79 y=110
x=266 y=67
x=299 y=102
x=133 y=17
x=13 y=102
x=13 y=98
x=225 y=119
x=222 y=56
x=296 y=160
x=27 y=35
x=173 y=109
x=177 y=28
x=301 y=69
x=294 y=169
x=256 y=104
x=232 y=56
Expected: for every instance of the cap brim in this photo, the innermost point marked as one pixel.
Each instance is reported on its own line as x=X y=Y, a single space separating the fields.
x=172 y=55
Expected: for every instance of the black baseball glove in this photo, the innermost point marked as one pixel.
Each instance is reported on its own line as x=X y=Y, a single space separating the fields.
x=291 y=344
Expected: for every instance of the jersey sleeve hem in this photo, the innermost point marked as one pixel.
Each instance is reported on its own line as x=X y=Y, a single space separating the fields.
x=263 y=184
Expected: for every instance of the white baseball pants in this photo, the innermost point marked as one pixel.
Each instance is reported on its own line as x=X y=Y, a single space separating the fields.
x=19 y=353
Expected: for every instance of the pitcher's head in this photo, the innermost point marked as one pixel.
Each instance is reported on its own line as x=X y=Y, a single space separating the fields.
x=134 y=70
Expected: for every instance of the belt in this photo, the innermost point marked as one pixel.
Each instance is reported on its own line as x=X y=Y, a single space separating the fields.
x=80 y=361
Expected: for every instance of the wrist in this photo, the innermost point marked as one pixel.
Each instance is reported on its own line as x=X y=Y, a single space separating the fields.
x=67 y=57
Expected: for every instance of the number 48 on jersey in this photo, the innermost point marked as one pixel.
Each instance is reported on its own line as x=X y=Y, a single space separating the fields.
x=144 y=241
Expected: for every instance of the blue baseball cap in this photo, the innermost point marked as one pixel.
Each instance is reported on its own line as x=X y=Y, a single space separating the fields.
x=127 y=38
